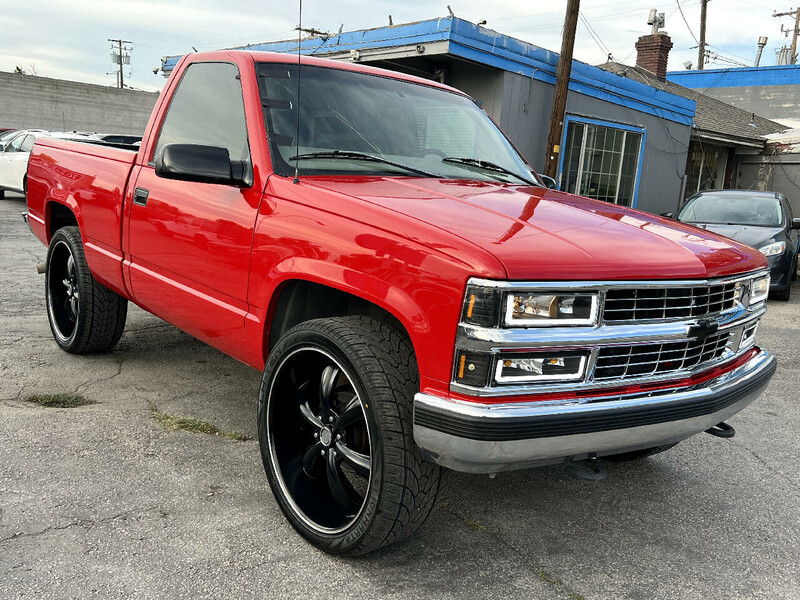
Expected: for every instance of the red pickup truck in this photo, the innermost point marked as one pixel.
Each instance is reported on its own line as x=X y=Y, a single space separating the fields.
x=416 y=299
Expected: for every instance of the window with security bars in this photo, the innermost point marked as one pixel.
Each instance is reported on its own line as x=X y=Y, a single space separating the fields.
x=601 y=162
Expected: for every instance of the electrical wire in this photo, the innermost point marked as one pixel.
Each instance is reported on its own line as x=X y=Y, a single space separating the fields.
x=685 y=21
x=593 y=34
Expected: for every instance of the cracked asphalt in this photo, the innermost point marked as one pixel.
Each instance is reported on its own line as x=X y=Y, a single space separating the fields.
x=101 y=501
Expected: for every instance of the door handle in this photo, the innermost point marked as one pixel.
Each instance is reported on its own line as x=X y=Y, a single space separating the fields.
x=140 y=196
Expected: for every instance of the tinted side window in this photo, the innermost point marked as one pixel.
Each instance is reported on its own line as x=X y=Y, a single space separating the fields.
x=27 y=145
x=207 y=108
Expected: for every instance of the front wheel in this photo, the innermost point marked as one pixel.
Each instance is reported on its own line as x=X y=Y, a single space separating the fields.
x=85 y=316
x=334 y=421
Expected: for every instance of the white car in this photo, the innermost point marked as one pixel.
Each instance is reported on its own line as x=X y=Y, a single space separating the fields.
x=14 y=156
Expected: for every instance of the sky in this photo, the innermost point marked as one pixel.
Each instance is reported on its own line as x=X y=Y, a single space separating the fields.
x=67 y=39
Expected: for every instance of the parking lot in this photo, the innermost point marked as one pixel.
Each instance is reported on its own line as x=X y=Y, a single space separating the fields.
x=103 y=501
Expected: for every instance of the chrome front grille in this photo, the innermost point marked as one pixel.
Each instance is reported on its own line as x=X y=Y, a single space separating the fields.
x=643 y=360
x=638 y=304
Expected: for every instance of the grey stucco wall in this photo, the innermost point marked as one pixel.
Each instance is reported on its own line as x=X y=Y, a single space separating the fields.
x=780 y=103
x=40 y=102
x=778 y=173
x=485 y=84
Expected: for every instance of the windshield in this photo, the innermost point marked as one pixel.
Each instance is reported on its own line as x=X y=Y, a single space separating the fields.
x=412 y=128
x=721 y=209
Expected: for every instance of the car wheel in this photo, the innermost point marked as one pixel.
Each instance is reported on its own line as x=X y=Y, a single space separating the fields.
x=84 y=315
x=639 y=454
x=335 y=429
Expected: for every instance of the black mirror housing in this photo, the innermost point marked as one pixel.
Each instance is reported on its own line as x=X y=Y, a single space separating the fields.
x=549 y=182
x=795 y=223
x=204 y=164
x=667 y=214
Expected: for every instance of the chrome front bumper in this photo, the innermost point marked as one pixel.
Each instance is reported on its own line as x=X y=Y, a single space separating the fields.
x=485 y=438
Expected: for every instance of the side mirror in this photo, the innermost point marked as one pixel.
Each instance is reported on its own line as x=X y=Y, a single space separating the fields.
x=795 y=223
x=204 y=164
x=549 y=182
x=668 y=215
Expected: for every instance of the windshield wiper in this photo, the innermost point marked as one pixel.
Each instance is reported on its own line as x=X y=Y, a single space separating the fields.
x=486 y=165
x=349 y=154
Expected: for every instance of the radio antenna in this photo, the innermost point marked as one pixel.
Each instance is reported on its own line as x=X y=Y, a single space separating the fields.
x=297 y=119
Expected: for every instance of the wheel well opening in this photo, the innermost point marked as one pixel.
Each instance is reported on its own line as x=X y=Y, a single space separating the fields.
x=59 y=216
x=303 y=300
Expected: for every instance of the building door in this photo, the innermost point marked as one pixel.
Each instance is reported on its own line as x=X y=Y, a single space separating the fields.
x=705 y=168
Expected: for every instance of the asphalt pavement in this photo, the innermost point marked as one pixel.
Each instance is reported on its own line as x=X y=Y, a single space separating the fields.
x=102 y=501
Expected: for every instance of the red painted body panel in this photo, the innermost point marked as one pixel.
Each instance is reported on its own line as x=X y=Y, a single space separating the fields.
x=210 y=258
x=416 y=272
x=542 y=235
x=91 y=180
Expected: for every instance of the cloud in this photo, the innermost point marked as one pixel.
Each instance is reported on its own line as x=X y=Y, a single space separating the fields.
x=68 y=39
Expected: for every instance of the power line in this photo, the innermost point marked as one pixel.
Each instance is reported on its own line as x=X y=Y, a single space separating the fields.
x=685 y=21
x=594 y=35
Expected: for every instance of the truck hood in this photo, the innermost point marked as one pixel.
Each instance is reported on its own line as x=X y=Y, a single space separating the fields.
x=541 y=234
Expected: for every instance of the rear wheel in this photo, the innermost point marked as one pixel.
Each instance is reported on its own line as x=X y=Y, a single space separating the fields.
x=85 y=316
x=335 y=432
x=639 y=454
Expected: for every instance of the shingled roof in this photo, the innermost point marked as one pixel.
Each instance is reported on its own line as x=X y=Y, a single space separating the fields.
x=713 y=119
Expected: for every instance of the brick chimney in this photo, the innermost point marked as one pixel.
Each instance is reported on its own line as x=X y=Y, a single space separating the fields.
x=652 y=52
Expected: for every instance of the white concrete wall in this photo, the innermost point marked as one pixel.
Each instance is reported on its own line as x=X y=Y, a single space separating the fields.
x=27 y=101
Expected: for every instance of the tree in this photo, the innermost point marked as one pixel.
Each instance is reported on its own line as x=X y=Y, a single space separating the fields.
x=30 y=71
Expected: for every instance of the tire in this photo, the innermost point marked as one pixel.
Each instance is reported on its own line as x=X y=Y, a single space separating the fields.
x=784 y=295
x=85 y=316
x=372 y=487
x=639 y=454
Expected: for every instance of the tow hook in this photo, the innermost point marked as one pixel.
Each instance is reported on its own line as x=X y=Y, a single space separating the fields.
x=41 y=268
x=722 y=430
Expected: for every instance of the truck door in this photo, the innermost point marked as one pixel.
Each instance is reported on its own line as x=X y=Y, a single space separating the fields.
x=188 y=242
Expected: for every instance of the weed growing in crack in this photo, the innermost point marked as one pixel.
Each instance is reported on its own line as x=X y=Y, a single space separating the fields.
x=192 y=425
x=60 y=400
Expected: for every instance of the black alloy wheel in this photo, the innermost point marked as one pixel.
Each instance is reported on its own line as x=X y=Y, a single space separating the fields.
x=336 y=434
x=85 y=316
x=321 y=449
x=63 y=298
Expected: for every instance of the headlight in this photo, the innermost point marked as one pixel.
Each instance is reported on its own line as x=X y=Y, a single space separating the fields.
x=540 y=367
x=547 y=310
x=759 y=290
x=481 y=306
x=773 y=249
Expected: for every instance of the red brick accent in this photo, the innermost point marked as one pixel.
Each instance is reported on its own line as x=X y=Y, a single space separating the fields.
x=652 y=53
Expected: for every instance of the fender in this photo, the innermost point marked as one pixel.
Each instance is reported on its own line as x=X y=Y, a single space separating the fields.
x=67 y=200
x=428 y=342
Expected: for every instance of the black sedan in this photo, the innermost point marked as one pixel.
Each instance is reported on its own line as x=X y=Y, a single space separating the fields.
x=762 y=220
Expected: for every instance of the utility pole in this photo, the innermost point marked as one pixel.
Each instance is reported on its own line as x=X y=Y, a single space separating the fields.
x=120 y=58
x=701 y=53
x=562 y=87
x=796 y=15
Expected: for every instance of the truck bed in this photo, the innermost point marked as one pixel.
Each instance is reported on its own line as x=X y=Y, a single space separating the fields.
x=91 y=179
